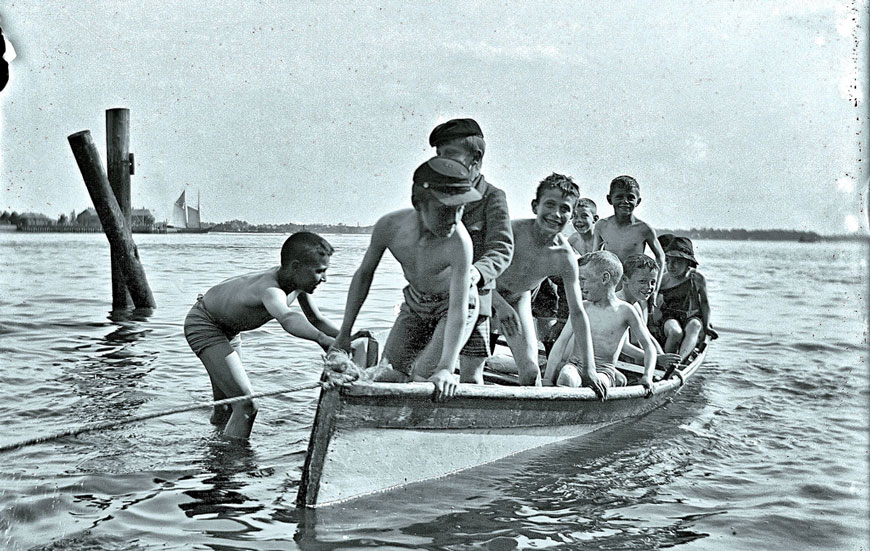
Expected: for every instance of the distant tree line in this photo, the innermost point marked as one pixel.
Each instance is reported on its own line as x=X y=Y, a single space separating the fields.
x=244 y=227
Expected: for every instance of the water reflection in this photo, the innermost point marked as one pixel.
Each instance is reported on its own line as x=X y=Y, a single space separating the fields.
x=220 y=495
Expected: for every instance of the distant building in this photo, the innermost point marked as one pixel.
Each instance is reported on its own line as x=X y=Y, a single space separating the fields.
x=88 y=217
x=33 y=219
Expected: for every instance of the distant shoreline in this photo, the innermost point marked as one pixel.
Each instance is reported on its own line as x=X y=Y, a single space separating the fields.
x=238 y=227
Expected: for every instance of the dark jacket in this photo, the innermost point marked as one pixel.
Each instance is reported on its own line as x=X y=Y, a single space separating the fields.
x=489 y=225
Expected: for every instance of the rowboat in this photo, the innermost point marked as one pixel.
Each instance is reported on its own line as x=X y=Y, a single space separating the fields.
x=376 y=437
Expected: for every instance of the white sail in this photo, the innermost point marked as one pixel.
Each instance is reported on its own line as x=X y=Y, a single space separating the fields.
x=192 y=217
x=179 y=212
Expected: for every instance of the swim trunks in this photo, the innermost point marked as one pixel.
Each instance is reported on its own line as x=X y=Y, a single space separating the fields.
x=477 y=345
x=202 y=331
x=614 y=377
x=420 y=327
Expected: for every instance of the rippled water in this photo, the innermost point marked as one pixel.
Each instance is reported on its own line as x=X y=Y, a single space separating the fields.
x=767 y=447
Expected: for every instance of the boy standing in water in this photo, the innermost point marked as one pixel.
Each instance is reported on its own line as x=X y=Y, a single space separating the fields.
x=685 y=309
x=609 y=318
x=623 y=234
x=213 y=325
x=488 y=224
x=540 y=250
x=434 y=250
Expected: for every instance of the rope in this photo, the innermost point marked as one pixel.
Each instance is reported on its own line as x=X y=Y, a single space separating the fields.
x=113 y=424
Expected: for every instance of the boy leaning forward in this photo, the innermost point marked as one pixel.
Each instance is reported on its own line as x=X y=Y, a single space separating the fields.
x=434 y=249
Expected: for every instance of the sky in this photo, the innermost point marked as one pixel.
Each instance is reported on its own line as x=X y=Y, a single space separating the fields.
x=739 y=114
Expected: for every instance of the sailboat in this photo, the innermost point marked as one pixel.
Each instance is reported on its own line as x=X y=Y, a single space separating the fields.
x=185 y=218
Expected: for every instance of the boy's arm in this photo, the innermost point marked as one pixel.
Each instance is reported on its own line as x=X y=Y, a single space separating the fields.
x=315 y=317
x=653 y=242
x=457 y=311
x=580 y=323
x=639 y=329
x=507 y=316
x=275 y=301
x=498 y=248
x=701 y=286
x=361 y=282
x=558 y=354
x=597 y=240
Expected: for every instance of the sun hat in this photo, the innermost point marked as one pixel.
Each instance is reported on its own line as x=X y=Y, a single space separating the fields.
x=681 y=247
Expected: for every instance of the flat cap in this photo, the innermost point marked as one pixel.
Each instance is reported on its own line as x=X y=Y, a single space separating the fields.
x=454 y=129
x=449 y=181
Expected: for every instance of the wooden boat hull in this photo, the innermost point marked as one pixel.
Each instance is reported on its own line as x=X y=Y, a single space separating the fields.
x=376 y=437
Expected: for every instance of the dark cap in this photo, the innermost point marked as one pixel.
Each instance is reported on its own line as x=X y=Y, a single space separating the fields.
x=681 y=247
x=448 y=180
x=454 y=129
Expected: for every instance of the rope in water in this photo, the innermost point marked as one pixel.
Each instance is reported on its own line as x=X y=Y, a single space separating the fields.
x=114 y=424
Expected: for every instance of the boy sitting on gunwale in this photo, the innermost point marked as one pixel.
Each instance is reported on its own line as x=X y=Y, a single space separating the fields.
x=609 y=320
x=434 y=250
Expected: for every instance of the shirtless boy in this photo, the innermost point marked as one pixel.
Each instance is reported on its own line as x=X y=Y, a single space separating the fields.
x=685 y=309
x=585 y=217
x=540 y=250
x=489 y=225
x=609 y=318
x=623 y=234
x=550 y=304
x=213 y=325
x=639 y=275
x=434 y=250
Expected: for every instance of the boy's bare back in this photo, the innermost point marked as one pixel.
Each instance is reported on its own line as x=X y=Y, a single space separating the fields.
x=623 y=240
x=532 y=262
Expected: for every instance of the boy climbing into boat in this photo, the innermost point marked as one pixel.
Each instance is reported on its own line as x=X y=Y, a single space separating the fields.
x=435 y=251
x=684 y=306
x=639 y=276
x=540 y=250
x=624 y=234
x=549 y=302
x=610 y=318
x=214 y=324
x=488 y=223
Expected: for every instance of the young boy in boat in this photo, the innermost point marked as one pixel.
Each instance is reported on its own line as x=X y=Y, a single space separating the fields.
x=214 y=324
x=488 y=223
x=549 y=302
x=639 y=276
x=624 y=234
x=435 y=251
x=684 y=306
x=540 y=250
x=585 y=217
x=610 y=318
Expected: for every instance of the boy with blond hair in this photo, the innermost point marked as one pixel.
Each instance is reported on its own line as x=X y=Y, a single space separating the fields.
x=624 y=234
x=434 y=250
x=610 y=318
x=540 y=250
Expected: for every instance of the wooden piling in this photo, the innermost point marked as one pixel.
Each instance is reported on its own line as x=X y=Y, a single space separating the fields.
x=118 y=170
x=120 y=240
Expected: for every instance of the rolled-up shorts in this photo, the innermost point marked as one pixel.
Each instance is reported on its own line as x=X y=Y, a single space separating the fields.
x=202 y=331
x=477 y=345
x=614 y=377
x=421 y=320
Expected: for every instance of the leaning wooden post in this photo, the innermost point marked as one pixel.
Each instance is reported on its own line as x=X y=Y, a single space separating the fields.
x=118 y=170
x=120 y=241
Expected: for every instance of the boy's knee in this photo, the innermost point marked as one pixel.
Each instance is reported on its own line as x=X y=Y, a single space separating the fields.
x=249 y=408
x=569 y=376
x=693 y=325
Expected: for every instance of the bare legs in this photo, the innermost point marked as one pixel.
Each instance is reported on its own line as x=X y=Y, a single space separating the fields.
x=681 y=338
x=228 y=379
